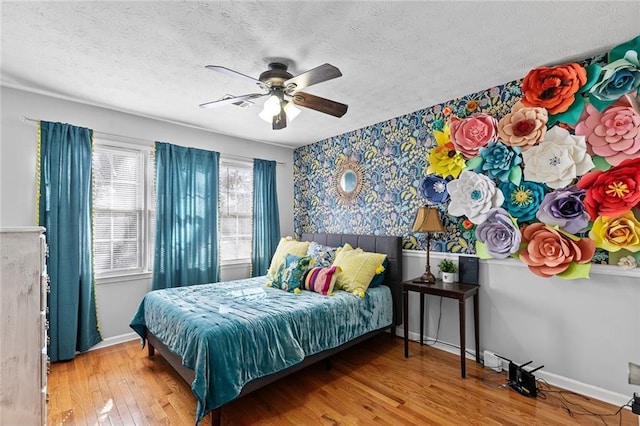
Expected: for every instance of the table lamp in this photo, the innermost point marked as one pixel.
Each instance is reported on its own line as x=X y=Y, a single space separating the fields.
x=427 y=221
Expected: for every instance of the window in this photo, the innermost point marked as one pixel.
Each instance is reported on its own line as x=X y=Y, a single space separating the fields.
x=123 y=215
x=236 y=211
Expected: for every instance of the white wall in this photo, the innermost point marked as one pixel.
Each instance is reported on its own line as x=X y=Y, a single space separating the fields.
x=117 y=301
x=584 y=331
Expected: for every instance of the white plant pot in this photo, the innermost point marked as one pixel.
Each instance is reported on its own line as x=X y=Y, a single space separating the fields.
x=448 y=277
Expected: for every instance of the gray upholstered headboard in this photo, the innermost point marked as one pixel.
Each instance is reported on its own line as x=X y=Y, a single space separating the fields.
x=389 y=245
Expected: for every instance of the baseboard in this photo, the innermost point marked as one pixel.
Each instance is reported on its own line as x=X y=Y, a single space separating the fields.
x=572 y=385
x=110 y=341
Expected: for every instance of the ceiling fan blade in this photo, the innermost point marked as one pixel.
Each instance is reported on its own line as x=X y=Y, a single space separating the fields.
x=316 y=75
x=319 y=104
x=228 y=99
x=279 y=120
x=227 y=71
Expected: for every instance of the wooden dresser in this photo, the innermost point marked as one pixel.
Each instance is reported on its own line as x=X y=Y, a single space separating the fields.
x=23 y=327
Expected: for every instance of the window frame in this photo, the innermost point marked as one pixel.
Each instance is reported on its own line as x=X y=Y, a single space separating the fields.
x=147 y=180
x=247 y=164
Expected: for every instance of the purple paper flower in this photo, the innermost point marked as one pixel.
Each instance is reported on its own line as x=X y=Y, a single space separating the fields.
x=434 y=189
x=499 y=234
x=497 y=160
x=564 y=208
x=522 y=201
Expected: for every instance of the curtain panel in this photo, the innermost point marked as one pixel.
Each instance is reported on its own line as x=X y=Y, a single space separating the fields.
x=64 y=209
x=266 y=217
x=186 y=241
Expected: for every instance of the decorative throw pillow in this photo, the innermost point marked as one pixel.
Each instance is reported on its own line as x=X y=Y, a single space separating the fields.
x=321 y=280
x=286 y=246
x=321 y=254
x=378 y=279
x=291 y=273
x=358 y=269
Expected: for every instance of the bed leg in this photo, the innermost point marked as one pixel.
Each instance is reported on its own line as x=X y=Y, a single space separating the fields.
x=151 y=349
x=216 y=417
x=393 y=331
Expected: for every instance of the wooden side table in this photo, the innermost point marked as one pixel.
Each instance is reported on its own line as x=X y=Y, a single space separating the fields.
x=458 y=291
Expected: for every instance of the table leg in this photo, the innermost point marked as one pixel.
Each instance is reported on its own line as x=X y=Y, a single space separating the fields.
x=422 y=296
x=405 y=314
x=463 y=344
x=476 y=324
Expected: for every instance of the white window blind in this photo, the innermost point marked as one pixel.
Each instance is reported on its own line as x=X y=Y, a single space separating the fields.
x=236 y=210
x=121 y=218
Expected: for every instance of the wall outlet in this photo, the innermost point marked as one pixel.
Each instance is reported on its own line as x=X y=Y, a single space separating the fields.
x=492 y=361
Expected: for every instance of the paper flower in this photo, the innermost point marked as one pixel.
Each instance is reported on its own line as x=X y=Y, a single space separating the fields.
x=612 y=192
x=627 y=262
x=558 y=159
x=564 y=208
x=613 y=134
x=444 y=161
x=523 y=126
x=548 y=252
x=615 y=233
x=498 y=161
x=434 y=189
x=522 y=201
x=616 y=79
x=473 y=195
x=553 y=88
x=499 y=234
x=471 y=133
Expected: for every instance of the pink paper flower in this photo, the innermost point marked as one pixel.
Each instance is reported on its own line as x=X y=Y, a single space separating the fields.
x=613 y=134
x=472 y=133
x=523 y=126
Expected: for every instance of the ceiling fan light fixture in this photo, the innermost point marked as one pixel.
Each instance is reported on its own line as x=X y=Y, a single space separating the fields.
x=272 y=106
x=291 y=111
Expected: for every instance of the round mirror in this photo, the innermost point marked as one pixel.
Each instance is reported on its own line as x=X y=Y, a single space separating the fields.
x=348 y=181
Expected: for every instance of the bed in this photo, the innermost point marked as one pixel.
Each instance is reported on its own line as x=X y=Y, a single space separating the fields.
x=229 y=339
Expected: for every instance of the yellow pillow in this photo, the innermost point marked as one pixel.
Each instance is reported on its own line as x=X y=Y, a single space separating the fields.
x=358 y=269
x=286 y=246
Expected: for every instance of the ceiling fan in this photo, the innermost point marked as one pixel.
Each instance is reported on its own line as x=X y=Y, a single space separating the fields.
x=282 y=89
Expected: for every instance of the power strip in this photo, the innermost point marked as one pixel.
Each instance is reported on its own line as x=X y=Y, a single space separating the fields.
x=492 y=361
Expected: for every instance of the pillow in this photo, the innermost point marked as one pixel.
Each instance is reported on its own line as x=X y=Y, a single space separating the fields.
x=291 y=273
x=358 y=269
x=321 y=254
x=378 y=279
x=321 y=280
x=286 y=246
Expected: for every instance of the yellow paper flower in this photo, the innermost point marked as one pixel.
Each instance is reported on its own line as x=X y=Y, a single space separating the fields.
x=615 y=233
x=443 y=159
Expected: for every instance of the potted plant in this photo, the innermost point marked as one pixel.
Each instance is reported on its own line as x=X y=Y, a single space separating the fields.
x=448 y=269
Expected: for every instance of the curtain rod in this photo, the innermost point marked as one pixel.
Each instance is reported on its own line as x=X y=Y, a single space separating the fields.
x=143 y=142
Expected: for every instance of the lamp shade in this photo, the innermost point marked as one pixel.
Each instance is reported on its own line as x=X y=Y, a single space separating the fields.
x=427 y=220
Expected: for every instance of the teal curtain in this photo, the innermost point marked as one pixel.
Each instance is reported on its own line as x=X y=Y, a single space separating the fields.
x=64 y=209
x=266 y=218
x=186 y=247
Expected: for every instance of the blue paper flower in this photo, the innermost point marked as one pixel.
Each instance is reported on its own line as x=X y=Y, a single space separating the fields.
x=499 y=162
x=434 y=189
x=522 y=201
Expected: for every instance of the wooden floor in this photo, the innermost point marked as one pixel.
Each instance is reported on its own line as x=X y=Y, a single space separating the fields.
x=371 y=383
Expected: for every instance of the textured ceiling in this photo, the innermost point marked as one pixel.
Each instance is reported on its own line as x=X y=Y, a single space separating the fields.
x=148 y=58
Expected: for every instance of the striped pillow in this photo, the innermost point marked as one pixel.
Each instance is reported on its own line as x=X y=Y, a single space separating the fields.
x=321 y=280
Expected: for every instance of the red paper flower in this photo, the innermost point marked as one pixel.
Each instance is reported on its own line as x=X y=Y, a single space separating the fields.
x=612 y=192
x=553 y=88
x=549 y=252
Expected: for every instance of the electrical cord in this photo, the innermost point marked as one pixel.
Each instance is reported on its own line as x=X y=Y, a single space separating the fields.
x=434 y=341
x=565 y=403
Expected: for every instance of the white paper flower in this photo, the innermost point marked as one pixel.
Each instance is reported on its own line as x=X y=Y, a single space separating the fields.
x=558 y=159
x=473 y=195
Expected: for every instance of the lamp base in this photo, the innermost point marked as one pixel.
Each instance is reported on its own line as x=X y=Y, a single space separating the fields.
x=426 y=278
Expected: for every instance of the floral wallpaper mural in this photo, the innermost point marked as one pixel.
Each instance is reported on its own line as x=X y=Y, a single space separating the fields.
x=545 y=170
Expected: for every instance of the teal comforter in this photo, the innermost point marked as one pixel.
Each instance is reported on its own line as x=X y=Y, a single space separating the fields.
x=233 y=332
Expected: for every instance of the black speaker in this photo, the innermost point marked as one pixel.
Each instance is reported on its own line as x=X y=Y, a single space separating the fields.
x=468 y=266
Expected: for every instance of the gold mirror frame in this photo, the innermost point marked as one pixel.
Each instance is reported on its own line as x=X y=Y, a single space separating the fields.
x=348 y=167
